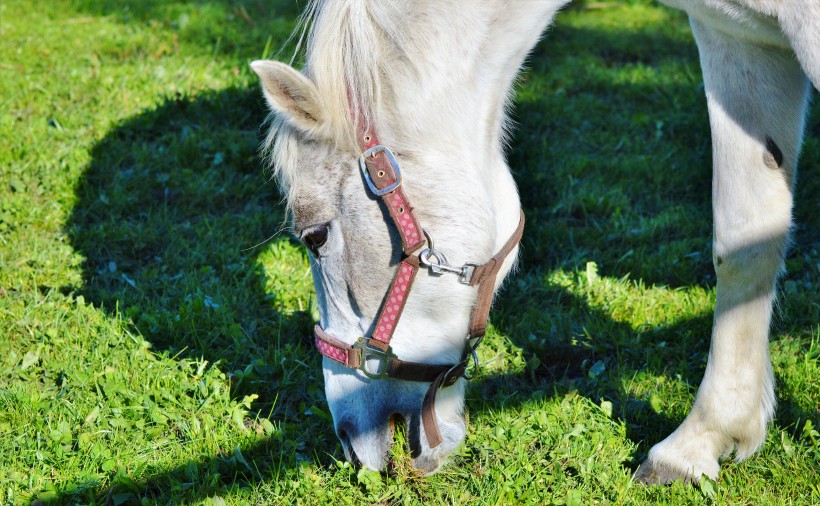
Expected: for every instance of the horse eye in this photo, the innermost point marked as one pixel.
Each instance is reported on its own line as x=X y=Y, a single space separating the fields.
x=315 y=237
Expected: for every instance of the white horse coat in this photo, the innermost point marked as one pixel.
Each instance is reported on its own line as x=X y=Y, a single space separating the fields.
x=434 y=78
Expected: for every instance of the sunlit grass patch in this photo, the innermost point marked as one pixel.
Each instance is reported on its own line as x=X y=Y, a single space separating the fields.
x=155 y=316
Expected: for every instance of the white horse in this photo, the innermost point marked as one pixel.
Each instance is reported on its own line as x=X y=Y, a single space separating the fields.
x=431 y=80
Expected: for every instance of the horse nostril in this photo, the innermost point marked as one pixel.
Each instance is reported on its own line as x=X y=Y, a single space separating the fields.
x=347 y=446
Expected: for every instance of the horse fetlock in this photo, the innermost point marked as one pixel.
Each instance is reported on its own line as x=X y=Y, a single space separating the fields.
x=660 y=471
x=712 y=430
x=749 y=435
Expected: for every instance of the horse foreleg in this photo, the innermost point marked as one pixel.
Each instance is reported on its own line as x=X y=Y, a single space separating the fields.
x=756 y=97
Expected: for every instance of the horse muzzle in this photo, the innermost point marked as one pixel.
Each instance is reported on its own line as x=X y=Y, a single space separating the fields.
x=365 y=413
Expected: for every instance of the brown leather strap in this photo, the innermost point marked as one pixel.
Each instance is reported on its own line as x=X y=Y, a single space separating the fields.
x=428 y=405
x=428 y=414
x=484 y=276
x=382 y=174
x=414 y=371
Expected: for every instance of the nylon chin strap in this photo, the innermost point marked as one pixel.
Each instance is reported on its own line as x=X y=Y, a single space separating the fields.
x=373 y=355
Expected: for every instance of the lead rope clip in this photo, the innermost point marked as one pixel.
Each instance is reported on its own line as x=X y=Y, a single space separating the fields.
x=437 y=263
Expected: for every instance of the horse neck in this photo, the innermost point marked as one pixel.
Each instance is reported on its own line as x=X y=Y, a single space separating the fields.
x=423 y=70
x=449 y=81
x=433 y=78
x=446 y=89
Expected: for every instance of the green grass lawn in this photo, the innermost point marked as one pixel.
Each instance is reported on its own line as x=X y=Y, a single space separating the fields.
x=155 y=317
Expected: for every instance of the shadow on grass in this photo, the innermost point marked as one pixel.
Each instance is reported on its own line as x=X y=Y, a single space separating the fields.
x=167 y=217
x=631 y=193
x=633 y=196
x=597 y=357
x=173 y=198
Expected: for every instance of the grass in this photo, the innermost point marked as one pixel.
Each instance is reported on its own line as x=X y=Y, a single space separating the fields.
x=151 y=353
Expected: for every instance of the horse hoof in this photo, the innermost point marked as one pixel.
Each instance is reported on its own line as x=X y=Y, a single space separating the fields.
x=656 y=473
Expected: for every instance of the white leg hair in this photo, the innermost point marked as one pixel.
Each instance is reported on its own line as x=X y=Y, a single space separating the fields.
x=756 y=96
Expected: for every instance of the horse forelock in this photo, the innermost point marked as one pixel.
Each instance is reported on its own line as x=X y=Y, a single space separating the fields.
x=347 y=48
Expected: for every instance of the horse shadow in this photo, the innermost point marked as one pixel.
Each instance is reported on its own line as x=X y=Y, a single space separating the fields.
x=173 y=203
x=176 y=224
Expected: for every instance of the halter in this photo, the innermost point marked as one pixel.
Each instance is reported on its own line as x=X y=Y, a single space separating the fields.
x=373 y=355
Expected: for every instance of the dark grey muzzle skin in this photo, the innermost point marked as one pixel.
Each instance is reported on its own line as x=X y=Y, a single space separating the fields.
x=364 y=420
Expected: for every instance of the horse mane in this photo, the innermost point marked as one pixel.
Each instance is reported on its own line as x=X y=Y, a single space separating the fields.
x=346 y=45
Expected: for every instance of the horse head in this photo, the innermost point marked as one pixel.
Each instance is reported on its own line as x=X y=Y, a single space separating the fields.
x=395 y=178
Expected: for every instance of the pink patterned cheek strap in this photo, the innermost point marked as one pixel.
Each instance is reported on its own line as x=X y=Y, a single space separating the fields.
x=394 y=303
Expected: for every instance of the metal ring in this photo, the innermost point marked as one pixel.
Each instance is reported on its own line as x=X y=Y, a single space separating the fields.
x=429 y=239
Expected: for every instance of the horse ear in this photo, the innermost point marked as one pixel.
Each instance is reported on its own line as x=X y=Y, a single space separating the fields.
x=291 y=94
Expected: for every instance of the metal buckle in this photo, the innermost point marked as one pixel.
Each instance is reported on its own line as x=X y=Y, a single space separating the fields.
x=459 y=370
x=393 y=163
x=454 y=374
x=466 y=274
x=368 y=351
x=471 y=347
